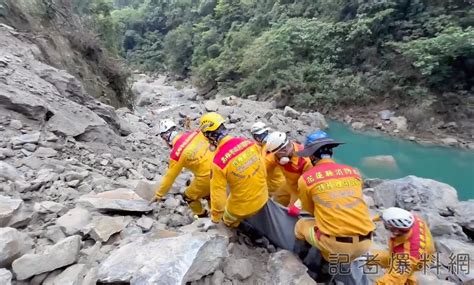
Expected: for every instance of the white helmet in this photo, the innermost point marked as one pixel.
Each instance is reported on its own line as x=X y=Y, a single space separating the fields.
x=259 y=128
x=276 y=141
x=166 y=125
x=398 y=218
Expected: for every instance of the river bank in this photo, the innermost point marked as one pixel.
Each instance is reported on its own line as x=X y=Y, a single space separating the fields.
x=426 y=129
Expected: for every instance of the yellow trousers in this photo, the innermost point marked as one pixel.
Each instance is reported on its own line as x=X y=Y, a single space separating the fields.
x=199 y=188
x=394 y=275
x=332 y=250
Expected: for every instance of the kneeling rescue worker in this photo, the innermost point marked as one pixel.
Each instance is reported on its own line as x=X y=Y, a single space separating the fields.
x=238 y=165
x=342 y=228
x=282 y=155
x=410 y=247
x=275 y=177
x=189 y=150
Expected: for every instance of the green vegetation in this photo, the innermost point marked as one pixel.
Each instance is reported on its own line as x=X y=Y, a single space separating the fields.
x=306 y=52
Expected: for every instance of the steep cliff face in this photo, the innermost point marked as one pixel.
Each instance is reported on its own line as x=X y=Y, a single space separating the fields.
x=66 y=44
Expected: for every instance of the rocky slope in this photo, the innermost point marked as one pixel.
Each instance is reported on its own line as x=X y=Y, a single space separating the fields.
x=75 y=177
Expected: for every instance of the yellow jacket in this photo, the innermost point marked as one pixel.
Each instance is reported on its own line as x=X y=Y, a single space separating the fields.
x=333 y=192
x=191 y=151
x=291 y=171
x=413 y=250
x=275 y=177
x=238 y=165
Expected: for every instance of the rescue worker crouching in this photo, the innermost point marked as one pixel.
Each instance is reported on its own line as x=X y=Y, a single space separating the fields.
x=342 y=228
x=189 y=150
x=238 y=165
x=411 y=247
x=275 y=177
x=282 y=155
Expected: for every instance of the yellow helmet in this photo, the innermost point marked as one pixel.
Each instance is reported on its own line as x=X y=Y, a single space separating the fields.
x=210 y=122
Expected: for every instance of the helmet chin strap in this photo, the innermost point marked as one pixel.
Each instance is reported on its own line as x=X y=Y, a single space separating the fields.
x=170 y=138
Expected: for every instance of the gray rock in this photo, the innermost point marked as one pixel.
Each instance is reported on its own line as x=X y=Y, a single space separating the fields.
x=13 y=244
x=211 y=106
x=171 y=203
x=9 y=172
x=5 y=277
x=358 y=125
x=386 y=114
x=103 y=227
x=230 y=101
x=45 y=152
x=6 y=152
x=416 y=193
x=23 y=216
x=145 y=223
x=145 y=190
x=73 y=175
x=54 y=234
x=450 y=248
x=73 y=275
x=449 y=141
x=48 y=207
x=252 y=97
x=285 y=268
x=400 y=123
x=8 y=207
x=26 y=138
x=91 y=277
x=217 y=278
x=119 y=200
x=29 y=147
x=74 y=220
x=61 y=254
x=465 y=214
x=291 y=113
x=16 y=124
x=122 y=163
x=440 y=226
x=240 y=269
x=172 y=260
x=387 y=161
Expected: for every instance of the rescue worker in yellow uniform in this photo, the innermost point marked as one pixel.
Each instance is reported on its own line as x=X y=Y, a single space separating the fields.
x=411 y=247
x=342 y=228
x=238 y=165
x=282 y=155
x=275 y=177
x=189 y=150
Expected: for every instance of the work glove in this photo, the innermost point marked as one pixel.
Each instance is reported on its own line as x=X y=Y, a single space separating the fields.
x=295 y=209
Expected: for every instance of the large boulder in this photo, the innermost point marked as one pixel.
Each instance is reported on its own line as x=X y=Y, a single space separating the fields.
x=102 y=227
x=9 y=172
x=416 y=193
x=173 y=260
x=8 y=207
x=13 y=244
x=61 y=254
x=74 y=221
x=290 y=112
x=240 y=269
x=400 y=123
x=465 y=214
x=5 y=277
x=387 y=161
x=116 y=200
x=285 y=268
x=73 y=275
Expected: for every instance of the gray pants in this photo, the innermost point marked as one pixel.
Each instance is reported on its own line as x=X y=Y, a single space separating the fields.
x=273 y=222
